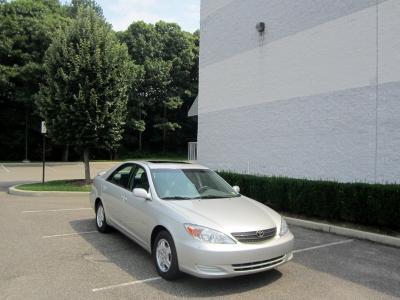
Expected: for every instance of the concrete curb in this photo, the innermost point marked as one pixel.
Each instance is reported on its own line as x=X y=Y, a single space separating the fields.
x=362 y=235
x=14 y=191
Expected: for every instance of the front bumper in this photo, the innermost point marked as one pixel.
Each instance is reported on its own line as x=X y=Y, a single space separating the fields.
x=229 y=260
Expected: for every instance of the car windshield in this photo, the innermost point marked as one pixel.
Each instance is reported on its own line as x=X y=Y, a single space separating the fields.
x=183 y=184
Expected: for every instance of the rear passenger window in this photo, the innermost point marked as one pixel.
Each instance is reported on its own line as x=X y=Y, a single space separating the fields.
x=121 y=176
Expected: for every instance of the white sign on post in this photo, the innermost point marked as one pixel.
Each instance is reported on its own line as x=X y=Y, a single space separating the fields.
x=43 y=128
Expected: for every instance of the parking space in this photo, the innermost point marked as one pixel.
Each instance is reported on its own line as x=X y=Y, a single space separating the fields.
x=50 y=249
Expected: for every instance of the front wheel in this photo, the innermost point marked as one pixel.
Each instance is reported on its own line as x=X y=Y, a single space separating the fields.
x=101 y=222
x=164 y=256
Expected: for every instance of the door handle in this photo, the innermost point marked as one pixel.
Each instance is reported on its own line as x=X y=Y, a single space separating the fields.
x=124 y=198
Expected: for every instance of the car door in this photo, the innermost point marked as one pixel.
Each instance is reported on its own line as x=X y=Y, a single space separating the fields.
x=114 y=193
x=139 y=209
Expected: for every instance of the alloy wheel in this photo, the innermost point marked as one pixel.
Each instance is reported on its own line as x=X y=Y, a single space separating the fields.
x=163 y=255
x=100 y=216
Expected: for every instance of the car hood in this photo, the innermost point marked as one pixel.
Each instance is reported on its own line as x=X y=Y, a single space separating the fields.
x=238 y=214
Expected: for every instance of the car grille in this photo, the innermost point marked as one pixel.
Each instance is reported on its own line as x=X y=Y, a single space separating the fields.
x=254 y=236
x=258 y=264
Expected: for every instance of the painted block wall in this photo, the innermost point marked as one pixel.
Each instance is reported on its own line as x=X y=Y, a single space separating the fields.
x=317 y=96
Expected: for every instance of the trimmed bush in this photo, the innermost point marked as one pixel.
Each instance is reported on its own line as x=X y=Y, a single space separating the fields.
x=367 y=204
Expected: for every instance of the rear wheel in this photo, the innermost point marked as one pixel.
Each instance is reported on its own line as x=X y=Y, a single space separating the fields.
x=101 y=222
x=165 y=258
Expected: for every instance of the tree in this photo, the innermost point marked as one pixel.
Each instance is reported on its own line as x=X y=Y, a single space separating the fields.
x=26 y=29
x=143 y=42
x=168 y=56
x=143 y=46
x=178 y=50
x=75 y=5
x=88 y=75
x=136 y=107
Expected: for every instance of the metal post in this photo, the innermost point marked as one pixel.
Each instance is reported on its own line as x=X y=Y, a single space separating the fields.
x=43 y=130
x=44 y=156
x=26 y=138
x=26 y=160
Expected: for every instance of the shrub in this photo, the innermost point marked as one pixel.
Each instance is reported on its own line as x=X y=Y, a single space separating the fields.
x=361 y=203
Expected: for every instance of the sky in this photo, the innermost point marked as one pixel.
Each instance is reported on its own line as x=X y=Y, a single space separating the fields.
x=121 y=13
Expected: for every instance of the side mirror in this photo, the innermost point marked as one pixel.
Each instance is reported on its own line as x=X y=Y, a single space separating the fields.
x=141 y=193
x=236 y=189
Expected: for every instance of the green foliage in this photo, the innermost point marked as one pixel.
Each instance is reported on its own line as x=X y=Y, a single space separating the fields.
x=173 y=103
x=26 y=29
x=143 y=42
x=169 y=126
x=162 y=86
x=88 y=75
x=167 y=88
x=361 y=203
x=139 y=125
x=75 y=5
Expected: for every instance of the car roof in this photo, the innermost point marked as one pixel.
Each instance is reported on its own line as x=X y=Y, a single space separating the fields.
x=169 y=164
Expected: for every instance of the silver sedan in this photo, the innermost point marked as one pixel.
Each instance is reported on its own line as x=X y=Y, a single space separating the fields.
x=190 y=219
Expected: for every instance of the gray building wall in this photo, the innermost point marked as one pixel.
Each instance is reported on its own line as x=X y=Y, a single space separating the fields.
x=318 y=96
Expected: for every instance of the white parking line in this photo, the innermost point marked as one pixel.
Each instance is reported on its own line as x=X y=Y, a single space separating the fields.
x=322 y=246
x=54 y=210
x=5 y=169
x=69 y=234
x=125 y=284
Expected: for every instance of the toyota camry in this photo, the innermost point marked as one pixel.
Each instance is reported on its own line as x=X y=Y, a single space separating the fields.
x=190 y=219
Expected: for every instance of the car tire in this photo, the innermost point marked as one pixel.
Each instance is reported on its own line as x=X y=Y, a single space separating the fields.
x=101 y=221
x=164 y=256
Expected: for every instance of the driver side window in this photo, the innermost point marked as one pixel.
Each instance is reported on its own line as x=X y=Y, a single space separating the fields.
x=139 y=179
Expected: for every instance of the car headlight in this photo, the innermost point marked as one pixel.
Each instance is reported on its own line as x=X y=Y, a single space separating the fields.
x=208 y=235
x=284 y=227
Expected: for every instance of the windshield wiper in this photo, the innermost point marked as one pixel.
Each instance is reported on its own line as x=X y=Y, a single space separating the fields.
x=214 y=197
x=198 y=197
x=177 y=198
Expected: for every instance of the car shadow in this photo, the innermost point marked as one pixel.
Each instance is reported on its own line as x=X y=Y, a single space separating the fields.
x=117 y=249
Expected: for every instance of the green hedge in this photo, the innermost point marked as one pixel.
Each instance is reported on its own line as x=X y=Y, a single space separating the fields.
x=367 y=204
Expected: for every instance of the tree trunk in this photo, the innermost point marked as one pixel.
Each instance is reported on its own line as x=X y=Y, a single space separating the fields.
x=164 y=128
x=86 y=153
x=140 y=141
x=66 y=153
x=26 y=133
x=164 y=135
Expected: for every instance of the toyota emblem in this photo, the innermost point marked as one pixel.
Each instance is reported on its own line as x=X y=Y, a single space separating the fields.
x=260 y=234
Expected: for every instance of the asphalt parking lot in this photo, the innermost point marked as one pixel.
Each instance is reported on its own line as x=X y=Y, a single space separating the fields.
x=50 y=249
